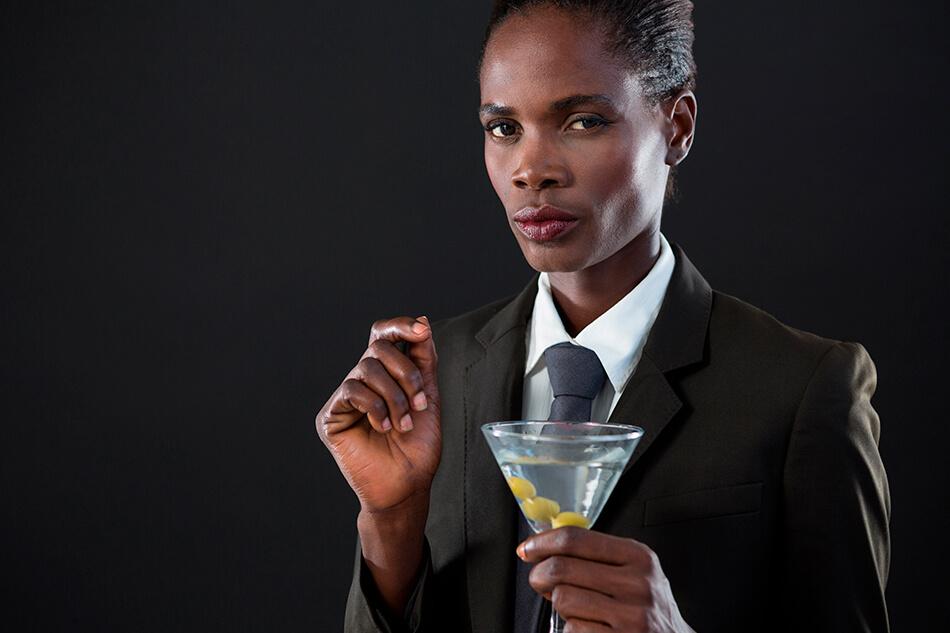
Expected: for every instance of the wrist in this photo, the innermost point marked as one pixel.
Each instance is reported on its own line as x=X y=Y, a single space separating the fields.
x=409 y=510
x=389 y=534
x=393 y=546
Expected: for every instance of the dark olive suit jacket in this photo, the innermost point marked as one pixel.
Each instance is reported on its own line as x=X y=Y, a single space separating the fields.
x=758 y=480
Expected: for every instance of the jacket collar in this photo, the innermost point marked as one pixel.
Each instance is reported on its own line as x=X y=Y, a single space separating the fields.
x=677 y=338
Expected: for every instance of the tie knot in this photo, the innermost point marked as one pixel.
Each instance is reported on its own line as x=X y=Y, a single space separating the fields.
x=575 y=373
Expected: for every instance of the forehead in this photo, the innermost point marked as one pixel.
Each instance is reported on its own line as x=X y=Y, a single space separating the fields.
x=549 y=52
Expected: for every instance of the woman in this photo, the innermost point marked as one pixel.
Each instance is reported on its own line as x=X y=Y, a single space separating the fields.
x=756 y=499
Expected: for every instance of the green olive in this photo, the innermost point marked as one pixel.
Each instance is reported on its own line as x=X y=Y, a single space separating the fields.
x=540 y=509
x=522 y=488
x=570 y=518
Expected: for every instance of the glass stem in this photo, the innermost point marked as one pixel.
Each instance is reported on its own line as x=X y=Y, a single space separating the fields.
x=557 y=624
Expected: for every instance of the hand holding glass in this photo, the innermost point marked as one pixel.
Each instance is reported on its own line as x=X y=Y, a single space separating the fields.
x=561 y=473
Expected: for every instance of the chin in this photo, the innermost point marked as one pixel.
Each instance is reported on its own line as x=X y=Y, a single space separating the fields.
x=559 y=256
x=553 y=262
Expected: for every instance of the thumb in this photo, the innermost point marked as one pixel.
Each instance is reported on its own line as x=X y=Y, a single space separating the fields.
x=423 y=354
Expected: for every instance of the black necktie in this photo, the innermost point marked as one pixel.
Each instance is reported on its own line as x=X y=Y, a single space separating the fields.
x=576 y=375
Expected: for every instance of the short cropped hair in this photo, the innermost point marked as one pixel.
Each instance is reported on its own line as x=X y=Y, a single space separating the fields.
x=653 y=38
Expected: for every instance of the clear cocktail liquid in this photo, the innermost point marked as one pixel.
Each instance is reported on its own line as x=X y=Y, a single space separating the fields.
x=581 y=487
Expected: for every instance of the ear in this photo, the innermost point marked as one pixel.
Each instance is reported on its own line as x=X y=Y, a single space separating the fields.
x=681 y=111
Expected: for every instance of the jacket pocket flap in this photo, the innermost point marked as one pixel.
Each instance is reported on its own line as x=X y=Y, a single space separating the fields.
x=703 y=504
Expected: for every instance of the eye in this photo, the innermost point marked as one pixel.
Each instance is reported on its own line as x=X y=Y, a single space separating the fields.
x=501 y=129
x=586 y=122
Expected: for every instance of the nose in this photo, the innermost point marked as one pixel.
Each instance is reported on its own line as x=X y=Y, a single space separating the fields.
x=539 y=165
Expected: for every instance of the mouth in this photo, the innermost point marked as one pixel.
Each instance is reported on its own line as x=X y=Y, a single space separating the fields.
x=544 y=224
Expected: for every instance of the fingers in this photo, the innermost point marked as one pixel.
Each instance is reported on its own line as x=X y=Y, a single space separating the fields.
x=587 y=544
x=420 y=348
x=587 y=609
x=383 y=356
x=597 y=580
x=397 y=385
x=387 y=385
x=613 y=582
x=424 y=356
x=400 y=329
x=352 y=401
x=577 y=626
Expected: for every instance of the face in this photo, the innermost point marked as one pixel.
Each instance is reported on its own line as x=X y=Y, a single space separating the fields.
x=574 y=151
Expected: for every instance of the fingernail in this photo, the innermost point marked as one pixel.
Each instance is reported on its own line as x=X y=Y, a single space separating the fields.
x=419 y=402
x=418 y=327
x=405 y=423
x=386 y=424
x=520 y=552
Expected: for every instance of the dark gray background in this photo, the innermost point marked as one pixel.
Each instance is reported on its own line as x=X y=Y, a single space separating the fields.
x=205 y=206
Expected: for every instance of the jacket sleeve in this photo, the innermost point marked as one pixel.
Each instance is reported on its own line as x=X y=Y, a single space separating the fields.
x=364 y=611
x=836 y=503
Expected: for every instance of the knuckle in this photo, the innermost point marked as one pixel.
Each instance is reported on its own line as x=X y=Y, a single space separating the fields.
x=638 y=619
x=378 y=331
x=651 y=561
x=538 y=579
x=558 y=569
x=348 y=386
x=562 y=597
x=399 y=400
x=345 y=392
x=379 y=347
x=566 y=538
x=573 y=626
x=641 y=555
x=367 y=366
x=639 y=588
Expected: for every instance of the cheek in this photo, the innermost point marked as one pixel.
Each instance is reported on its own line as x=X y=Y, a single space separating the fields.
x=615 y=180
x=634 y=171
x=493 y=165
x=618 y=185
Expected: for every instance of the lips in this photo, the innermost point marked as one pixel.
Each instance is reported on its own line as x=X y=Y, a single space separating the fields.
x=544 y=224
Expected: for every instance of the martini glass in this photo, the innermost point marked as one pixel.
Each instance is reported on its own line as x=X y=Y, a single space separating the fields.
x=561 y=473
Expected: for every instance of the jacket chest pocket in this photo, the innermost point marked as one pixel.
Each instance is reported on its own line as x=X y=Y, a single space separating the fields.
x=703 y=504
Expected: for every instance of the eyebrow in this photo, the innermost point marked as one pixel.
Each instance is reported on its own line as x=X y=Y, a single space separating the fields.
x=567 y=103
x=579 y=100
x=493 y=109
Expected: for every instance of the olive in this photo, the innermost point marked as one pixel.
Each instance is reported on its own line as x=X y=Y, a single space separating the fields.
x=570 y=518
x=522 y=488
x=540 y=509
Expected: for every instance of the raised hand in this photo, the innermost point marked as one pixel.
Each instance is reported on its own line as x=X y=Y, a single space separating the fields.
x=599 y=583
x=383 y=428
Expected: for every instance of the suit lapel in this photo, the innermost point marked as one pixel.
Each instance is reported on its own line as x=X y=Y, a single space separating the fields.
x=678 y=339
x=493 y=392
x=648 y=402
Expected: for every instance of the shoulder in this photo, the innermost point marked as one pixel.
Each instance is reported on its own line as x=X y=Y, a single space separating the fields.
x=758 y=350
x=736 y=324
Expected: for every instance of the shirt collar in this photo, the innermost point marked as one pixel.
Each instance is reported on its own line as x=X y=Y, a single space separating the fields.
x=618 y=335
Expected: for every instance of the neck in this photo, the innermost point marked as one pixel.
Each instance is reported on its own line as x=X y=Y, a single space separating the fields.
x=582 y=296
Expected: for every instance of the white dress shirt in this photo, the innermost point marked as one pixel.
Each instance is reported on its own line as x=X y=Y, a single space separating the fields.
x=617 y=337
